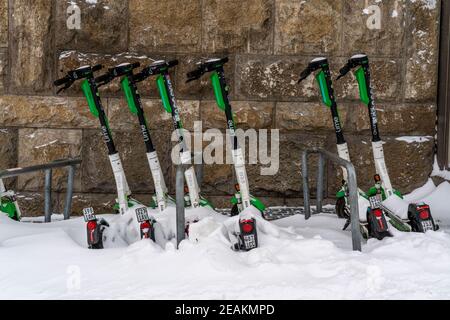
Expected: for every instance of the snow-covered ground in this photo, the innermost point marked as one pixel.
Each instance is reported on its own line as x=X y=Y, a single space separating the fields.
x=297 y=259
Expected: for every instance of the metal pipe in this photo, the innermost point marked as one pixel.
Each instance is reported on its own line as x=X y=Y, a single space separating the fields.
x=179 y=188
x=352 y=184
x=320 y=182
x=69 y=192
x=9 y=173
x=47 y=168
x=306 y=185
x=48 y=195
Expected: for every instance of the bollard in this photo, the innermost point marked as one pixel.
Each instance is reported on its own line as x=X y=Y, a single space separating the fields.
x=48 y=195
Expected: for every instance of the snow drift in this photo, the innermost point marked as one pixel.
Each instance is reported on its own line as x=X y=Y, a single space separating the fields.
x=297 y=259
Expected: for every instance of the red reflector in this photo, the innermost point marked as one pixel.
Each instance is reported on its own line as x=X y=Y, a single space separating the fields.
x=145 y=225
x=247 y=226
x=378 y=213
x=424 y=215
x=91 y=225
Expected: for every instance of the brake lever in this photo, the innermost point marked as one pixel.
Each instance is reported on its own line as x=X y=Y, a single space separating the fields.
x=139 y=77
x=304 y=74
x=194 y=75
x=103 y=79
x=66 y=86
x=343 y=71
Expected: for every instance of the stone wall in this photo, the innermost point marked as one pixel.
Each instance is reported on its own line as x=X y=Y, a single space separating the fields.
x=268 y=42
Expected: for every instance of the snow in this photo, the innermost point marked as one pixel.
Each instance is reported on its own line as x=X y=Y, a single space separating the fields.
x=421 y=192
x=296 y=259
x=397 y=205
x=414 y=139
x=429 y=4
x=438 y=201
x=46 y=144
x=437 y=172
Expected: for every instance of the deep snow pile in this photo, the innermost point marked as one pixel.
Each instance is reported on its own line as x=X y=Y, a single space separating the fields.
x=297 y=259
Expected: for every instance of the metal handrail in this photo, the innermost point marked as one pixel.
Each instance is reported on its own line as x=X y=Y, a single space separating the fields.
x=352 y=186
x=48 y=169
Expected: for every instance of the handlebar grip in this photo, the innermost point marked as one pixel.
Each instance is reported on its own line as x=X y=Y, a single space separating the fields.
x=103 y=78
x=96 y=67
x=135 y=65
x=193 y=75
x=61 y=81
x=138 y=77
x=304 y=74
x=343 y=71
x=172 y=63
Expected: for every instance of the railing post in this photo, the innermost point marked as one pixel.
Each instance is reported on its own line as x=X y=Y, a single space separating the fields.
x=306 y=184
x=320 y=182
x=352 y=185
x=179 y=186
x=48 y=169
x=48 y=195
x=198 y=162
x=69 y=192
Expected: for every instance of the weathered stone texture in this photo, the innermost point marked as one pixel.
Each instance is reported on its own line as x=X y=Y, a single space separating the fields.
x=222 y=33
x=409 y=163
x=286 y=182
x=247 y=114
x=97 y=174
x=310 y=27
x=37 y=146
x=100 y=202
x=386 y=75
x=46 y=112
x=30 y=46
x=157 y=118
x=103 y=26
x=268 y=42
x=8 y=148
x=422 y=50
x=397 y=119
x=165 y=26
x=305 y=116
x=270 y=79
x=3 y=70
x=276 y=79
x=202 y=88
x=218 y=179
x=32 y=203
x=8 y=152
x=72 y=59
x=3 y=23
x=358 y=37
